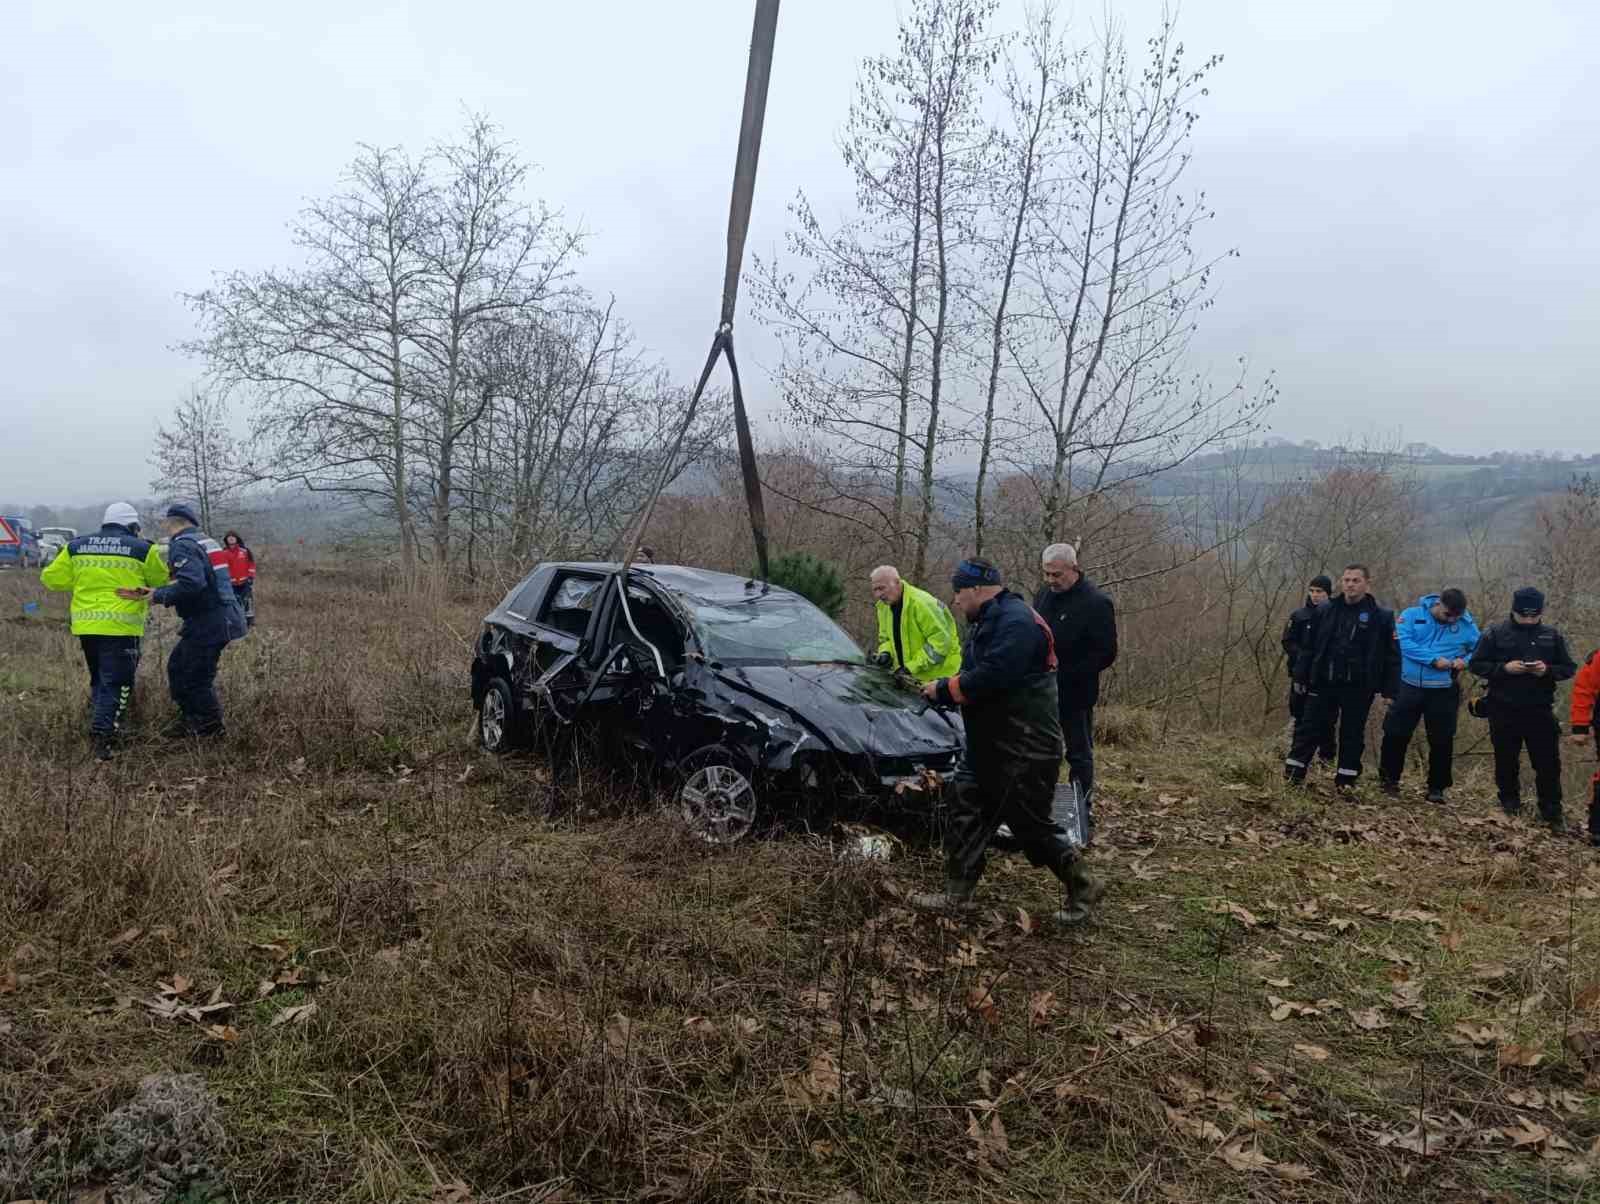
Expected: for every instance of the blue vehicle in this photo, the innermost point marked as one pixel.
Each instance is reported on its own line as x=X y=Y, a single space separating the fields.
x=19 y=543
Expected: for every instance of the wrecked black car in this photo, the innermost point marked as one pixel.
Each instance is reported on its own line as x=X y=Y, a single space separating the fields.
x=745 y=698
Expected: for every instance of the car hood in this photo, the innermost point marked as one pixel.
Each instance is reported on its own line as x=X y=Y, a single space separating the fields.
x=852 y=709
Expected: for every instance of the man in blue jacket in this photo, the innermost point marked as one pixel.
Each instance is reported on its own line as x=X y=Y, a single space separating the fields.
x=1435 y=638
x=202 y=594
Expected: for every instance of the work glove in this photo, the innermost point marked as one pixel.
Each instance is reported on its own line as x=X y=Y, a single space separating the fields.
x=884 y=660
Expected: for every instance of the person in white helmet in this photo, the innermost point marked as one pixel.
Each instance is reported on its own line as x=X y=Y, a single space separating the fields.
x=109 y=624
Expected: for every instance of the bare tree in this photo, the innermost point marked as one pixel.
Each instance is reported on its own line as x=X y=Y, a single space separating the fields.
x=196 y=457
x=870 y=322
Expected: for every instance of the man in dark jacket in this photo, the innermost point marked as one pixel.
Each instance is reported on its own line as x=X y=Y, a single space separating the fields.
x=1007 y=694
x=1349 y=657
x=202 y=593
x=1296 y=635
x=1083 y=623
x=1522 y=660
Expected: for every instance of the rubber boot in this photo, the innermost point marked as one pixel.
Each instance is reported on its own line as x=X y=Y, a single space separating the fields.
x=956 y=896
x=1083 y=892
x=102 y=746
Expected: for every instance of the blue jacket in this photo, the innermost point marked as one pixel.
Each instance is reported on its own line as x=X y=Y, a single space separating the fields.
x=1423 y=640
x=201 y=590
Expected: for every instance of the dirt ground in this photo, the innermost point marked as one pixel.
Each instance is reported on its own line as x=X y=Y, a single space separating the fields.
x=399 y=970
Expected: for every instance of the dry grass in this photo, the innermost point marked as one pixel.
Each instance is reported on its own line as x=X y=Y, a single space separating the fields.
x=522 y=995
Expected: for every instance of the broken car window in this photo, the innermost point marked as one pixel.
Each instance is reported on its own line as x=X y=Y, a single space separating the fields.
x=771 y=628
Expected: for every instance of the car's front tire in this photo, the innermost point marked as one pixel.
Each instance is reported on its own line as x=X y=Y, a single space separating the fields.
x=717 y=795
x=500 y=724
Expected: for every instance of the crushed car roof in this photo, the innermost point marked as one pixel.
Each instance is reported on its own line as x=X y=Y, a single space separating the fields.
x=699 y=583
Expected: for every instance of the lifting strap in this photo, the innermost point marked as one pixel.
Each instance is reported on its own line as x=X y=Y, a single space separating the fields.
x=744 y=185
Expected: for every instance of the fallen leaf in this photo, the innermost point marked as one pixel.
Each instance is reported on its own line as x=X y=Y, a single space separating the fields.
x=1451 y=939
x=9 y=982
x=818 y=1083
x=1519 y=1055
x=748 y=1026
x=1282 y=984
x=992 y=1148
x=1224 y=907
x=1370 y=1019
x=1243 y=1154
x=1193 y=1126
x=298 y=1014
x=1040 y=1005
x=1026 y=922
x=1315 y=1052
x=1481 y=1034
x=126 y=937
x=618 y=1033
x=1292 y=1171
x=1525 y=1132
x=700 y=1026
x=1588 y=999
x=1412 y=915
x=980 y=999
x=222 y=1032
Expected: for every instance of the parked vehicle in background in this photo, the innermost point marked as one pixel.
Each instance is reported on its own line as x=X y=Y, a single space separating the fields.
x=746 y=698
x=19 y=544
x=53 y=539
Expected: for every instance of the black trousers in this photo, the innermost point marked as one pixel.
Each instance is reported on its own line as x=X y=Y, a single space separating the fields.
x=1297 y=708
x=113 y=661
x=192 y=676
x=1594 y=792
x=1438 y=710
x=1017 y=795
x=1077 y=727
x=1512 y=728
x=1332 y=712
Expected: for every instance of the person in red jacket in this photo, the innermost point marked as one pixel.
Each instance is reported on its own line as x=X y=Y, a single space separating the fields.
x=1585 y=689
x=242 y=573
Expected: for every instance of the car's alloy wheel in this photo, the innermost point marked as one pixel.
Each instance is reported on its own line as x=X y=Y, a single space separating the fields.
x=718 y=800
x=497 y=718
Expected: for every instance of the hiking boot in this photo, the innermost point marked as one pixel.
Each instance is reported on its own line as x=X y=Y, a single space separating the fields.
x=1512 y=808
x=102 y=746
x=1083 y=892
x=1436 y=796
x=955 y=897
x=1345 y=785
x=1389 y=789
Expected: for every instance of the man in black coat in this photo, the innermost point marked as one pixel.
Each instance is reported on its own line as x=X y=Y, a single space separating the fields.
x=1522 y=660
x=1349 y=657
x=1083 y=622
x=1007 y=694
x=1296 y=635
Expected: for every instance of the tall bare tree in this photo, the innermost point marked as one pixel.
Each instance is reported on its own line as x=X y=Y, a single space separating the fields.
x=869 y=320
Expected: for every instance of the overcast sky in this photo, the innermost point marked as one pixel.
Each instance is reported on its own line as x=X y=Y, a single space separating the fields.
x=1413 y=187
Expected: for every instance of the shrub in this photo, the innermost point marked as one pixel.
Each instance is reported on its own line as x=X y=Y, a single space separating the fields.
x=812 y=578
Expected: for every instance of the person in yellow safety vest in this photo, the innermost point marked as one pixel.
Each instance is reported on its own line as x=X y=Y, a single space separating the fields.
x=108 y=626
x=916 y=632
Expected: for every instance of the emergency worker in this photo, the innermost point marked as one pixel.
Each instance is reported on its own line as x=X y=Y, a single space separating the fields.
x=109 y=626
x=1296 y=635
x=1349 y=657
x=1007 y=694
x=916 y=632
x=1522 y=659
x=203 y=596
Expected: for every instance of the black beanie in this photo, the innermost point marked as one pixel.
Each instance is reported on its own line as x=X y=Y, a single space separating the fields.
x=1322 y=582
x=1527 y=601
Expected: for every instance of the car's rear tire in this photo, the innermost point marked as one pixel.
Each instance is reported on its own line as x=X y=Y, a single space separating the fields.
x=717 y=795
x=500 y=723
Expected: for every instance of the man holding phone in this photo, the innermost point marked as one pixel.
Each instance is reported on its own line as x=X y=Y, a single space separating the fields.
x=1522 y=659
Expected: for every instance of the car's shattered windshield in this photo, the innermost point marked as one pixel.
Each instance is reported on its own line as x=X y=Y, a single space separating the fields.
x=771 y=628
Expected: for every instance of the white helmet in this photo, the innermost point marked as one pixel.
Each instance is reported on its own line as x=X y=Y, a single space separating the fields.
x=122 y=514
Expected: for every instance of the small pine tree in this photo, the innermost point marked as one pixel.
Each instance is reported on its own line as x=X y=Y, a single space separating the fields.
x=812 y=578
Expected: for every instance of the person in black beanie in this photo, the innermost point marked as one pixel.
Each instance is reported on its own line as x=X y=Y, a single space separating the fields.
x=1522 y=659
x=1296 y=637
x=1007 y=694
x=1349 y=658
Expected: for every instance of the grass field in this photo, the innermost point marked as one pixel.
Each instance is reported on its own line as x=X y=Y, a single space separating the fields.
x=398 y=970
